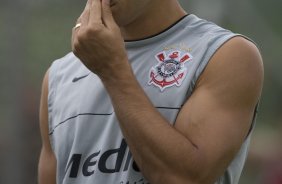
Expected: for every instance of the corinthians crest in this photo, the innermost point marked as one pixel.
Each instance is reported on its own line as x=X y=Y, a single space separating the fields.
x=170 y=70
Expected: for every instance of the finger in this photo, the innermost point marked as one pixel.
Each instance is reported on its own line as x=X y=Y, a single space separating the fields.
x=84 y=17
x=88 y=4
x=74 y=38
x=82 y=21
x=107 y=15
x=95 y=16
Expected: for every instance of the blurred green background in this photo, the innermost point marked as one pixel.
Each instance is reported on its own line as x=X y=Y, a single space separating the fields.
x=33 y=33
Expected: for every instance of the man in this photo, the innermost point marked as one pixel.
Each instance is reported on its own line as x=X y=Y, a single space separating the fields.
x=180 y=93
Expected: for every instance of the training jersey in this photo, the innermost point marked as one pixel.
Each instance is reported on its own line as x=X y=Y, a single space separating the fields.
x=83 y=128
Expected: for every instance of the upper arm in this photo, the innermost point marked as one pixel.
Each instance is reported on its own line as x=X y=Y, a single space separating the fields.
x=47 y=162
x=218 y=115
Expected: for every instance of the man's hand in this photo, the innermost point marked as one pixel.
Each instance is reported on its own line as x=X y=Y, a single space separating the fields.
x=98 y=42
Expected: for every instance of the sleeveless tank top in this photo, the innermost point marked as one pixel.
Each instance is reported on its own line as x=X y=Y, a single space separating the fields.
x=83 y=129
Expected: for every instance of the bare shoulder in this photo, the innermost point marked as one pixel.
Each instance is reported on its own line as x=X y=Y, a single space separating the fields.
x=241 y=50
x=236 y=68
x=238 y=55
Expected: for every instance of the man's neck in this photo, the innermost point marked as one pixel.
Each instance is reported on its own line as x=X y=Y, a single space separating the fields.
x=154 y=21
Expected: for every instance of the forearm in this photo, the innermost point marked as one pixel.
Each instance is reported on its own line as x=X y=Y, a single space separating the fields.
x=158 y=148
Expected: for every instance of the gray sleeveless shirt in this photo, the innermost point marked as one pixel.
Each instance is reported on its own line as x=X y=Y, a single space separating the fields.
x=83 y=128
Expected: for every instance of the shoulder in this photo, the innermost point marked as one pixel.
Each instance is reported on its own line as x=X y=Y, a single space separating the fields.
x=236 y=67
x=238 y=54
x=241 y=47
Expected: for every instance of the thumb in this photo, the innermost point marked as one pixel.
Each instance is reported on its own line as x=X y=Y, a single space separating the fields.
x=107 y=15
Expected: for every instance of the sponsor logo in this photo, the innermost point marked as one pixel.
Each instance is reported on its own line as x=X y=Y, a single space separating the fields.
x=170 y=70
x=79 y=78
x=100 y=161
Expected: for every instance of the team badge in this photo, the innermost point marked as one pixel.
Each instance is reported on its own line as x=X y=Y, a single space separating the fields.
x=170 y=69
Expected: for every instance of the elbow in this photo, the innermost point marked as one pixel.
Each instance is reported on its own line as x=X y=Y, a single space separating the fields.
x=168 y=178
x=184 y=172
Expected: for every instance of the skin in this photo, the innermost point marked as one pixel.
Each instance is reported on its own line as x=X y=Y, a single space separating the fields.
x=210 y=127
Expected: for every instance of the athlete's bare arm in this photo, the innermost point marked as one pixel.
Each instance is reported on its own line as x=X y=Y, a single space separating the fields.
x=47 y=161
x=218 y=116
x=210 y=127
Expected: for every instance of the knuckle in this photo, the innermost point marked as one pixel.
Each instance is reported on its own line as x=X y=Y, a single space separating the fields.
x=89 y=32
x=76 y=52
x=81 y=37
x=86 y=33
x=95 y=29
x=76 y=47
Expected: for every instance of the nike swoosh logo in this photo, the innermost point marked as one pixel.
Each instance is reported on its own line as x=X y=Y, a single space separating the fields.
x=79 y=78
